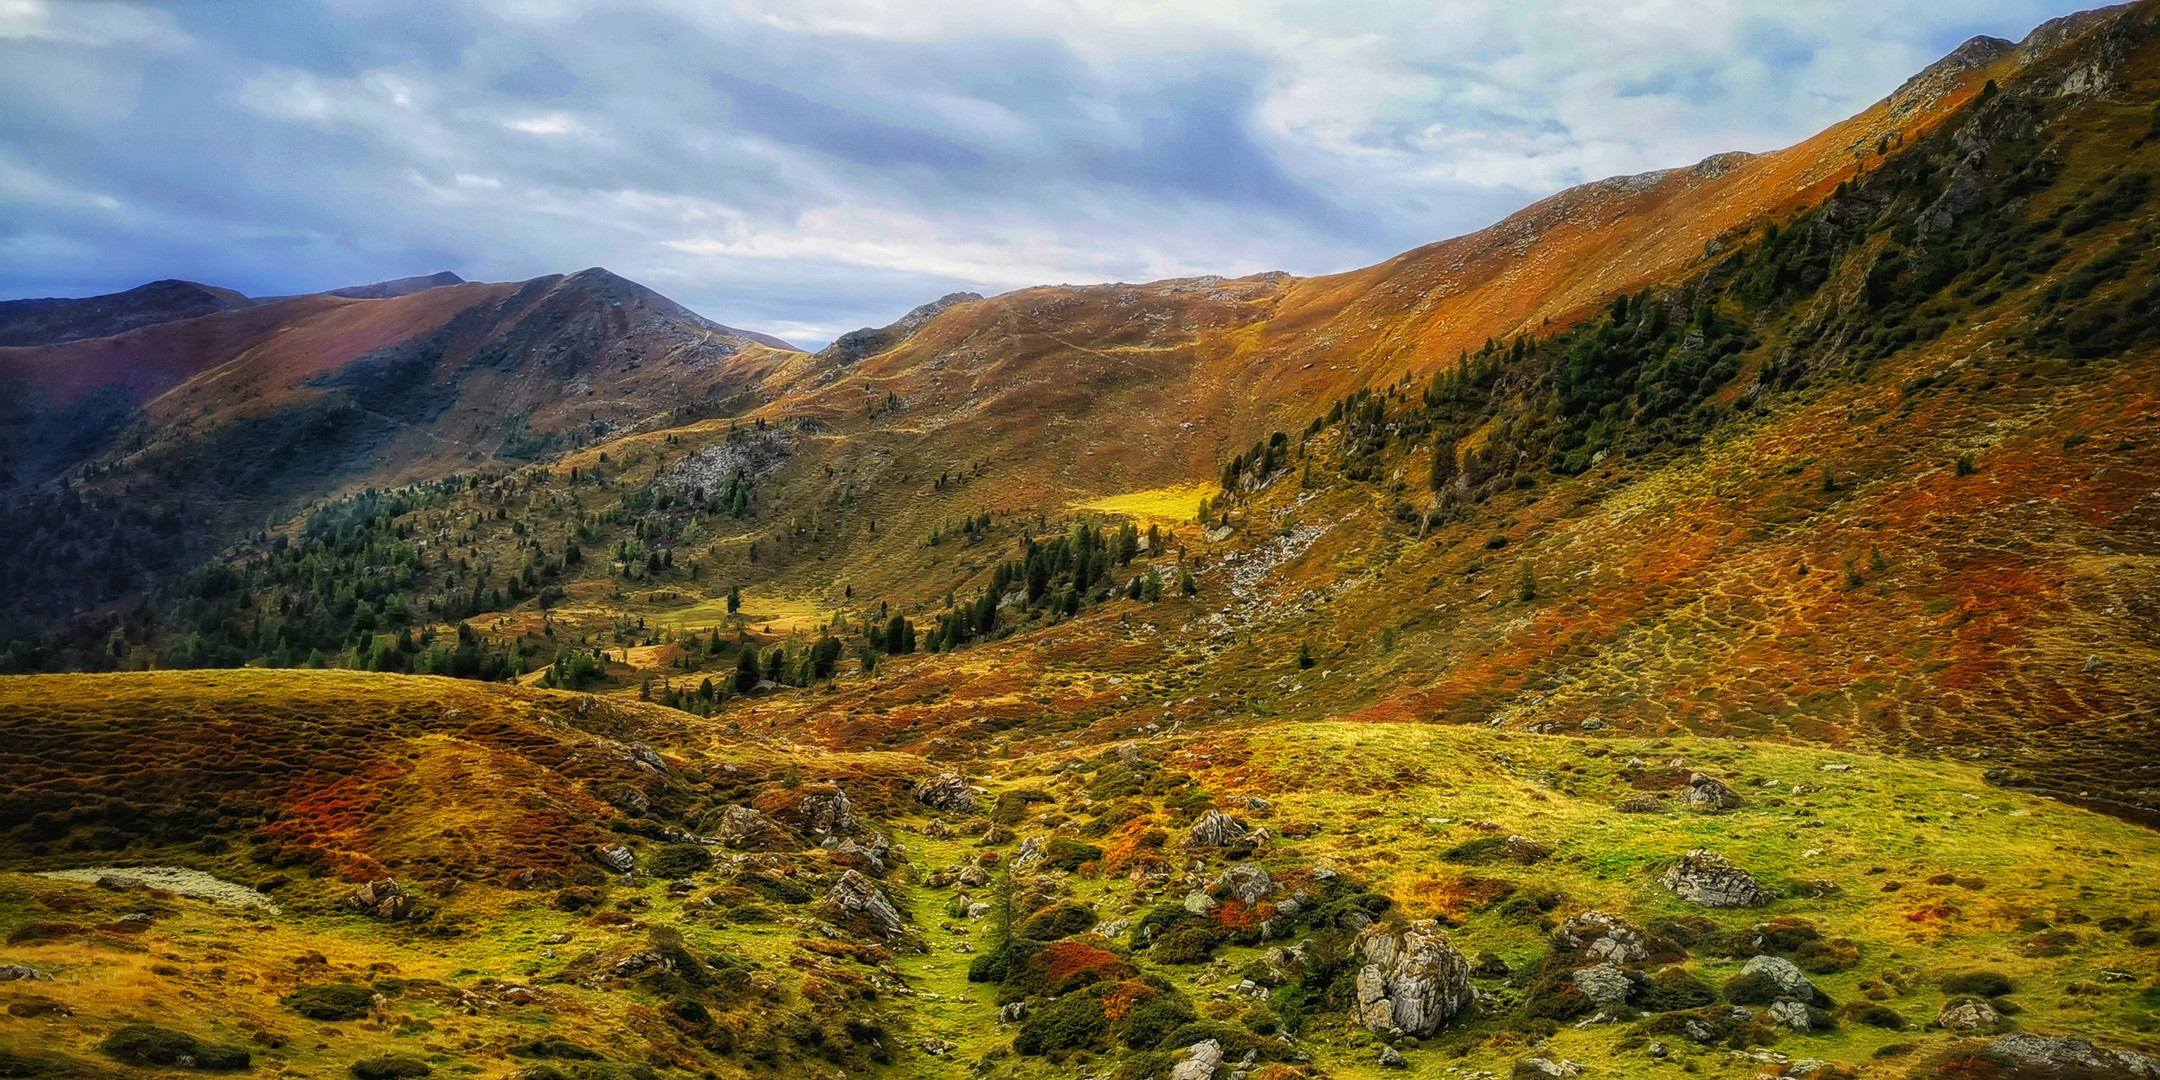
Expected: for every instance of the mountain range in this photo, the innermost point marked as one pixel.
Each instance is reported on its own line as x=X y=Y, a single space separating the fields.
x=1703 y=622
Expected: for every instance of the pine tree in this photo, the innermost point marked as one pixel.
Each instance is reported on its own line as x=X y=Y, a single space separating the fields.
x=734 y=603
x=1444 y=465
x=1186 y=585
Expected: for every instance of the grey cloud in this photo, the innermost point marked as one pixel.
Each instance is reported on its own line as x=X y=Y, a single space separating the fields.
x=812 y=181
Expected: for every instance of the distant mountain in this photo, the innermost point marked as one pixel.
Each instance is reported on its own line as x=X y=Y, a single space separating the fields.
x=255 y=410
x=383 y=290
x=54 y=320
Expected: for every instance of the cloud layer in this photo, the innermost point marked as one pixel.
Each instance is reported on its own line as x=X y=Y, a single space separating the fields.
x=803 y=167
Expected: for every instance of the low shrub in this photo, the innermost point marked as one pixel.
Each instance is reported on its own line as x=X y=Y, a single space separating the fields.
x=1827 y=957
x=1058 y=920
x=1753 y=988
x=577 y=898
x=1979 y=983
x=1112 y=818
x=1148 y=1024
x=1070 y=1022
x=773 y=889
x=677 y=860
x=338 y=1001
x=1676 y=988
x=140 y=1043
x=1872 y=1015
x=556 y=1047
x=44 y=931
x=391 y=1067
x=1236 y=1041
x=1187 y=945
x=1530 y=906
x=1065 y=853
x=2050 y=944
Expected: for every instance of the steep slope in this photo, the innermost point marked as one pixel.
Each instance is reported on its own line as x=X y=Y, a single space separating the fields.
x=1874 y=473
x=212 y=423
x=52 y=321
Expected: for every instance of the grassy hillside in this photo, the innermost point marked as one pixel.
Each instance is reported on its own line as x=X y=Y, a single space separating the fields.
x=1069 y=681
x=1890 y=878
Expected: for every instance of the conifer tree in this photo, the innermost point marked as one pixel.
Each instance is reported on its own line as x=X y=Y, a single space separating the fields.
x=1444 y=466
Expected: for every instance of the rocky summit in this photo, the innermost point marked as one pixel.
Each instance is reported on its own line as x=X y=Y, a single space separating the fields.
x=1702 y=625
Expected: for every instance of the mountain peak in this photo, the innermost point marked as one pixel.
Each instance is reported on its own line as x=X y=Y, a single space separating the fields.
x=872 y=340
x=54 y=320
x=383 y=290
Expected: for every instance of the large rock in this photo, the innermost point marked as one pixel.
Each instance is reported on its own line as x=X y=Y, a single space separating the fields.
x=831 y=814
x=385 y=899
x=1967 y=1014
x=1538 y=1066
x=1604 y=984
x=615 y=857
x=743 y=827
x=1030 y=853
x=858 y=895
x=1796 y=1015
x=2057 y=1053
x=948 y=793
x=1246 y=881
x=868 y=854
x=1705 y=878
x=1413 y=982
x=1216 y=829
x=1603 y=936
x=1201 y=1061
x=1708 y=793
x=1790 y=980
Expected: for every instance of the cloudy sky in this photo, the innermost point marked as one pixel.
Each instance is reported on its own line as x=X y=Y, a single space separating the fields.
x=804 y=167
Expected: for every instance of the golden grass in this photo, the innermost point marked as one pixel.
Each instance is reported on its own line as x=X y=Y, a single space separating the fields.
x=1175 y=504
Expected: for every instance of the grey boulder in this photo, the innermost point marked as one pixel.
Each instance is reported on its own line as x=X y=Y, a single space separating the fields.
x=1705 y=878
x=1413 y=982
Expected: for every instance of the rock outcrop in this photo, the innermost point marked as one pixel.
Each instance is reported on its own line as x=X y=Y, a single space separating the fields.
x=1216 y=829
x=830 y=814
x=1967 y=1014
x=1791 y=982
x=1706 y=878
x=858 y=895
x=1201 y=1061
x=947 y=793
x=743 y=827
x=1797 y=1016
x=1246 y=881
x=385 y=899
x=615 y=857
x=1604 y=984
x=2041 y=1051
x=1705 y=792
x=1414 y=981
x=1603 y=936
